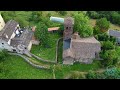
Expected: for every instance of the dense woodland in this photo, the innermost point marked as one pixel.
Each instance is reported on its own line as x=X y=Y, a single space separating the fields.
x=110 y=52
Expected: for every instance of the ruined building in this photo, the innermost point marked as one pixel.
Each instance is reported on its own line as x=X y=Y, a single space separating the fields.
x=16 y=39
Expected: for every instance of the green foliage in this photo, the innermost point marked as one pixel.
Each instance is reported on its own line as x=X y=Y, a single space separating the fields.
x=112 y=73
x=62 y=12
x=82 y=25
x=102 y=24
x=42 y=34
x=8 y=15
x=115 y=18
x=76 y=75
x=107 y=45
x=93 y=14
x=91 y=75
x=22 y=21
x=110 y=57
x=36 y=16
x=3 y=55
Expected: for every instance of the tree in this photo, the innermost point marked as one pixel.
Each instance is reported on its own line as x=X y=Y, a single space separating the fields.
x=62 y=12
x=22 y=21
x=107 y=45
x=110 y=57
x=112 y=73
x=36 y=16
x=42 y=34
x=82 y=26
x=103 y=24
x=91 y=75
x=93 y=14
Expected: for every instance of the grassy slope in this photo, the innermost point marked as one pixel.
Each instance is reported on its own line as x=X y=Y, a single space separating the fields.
x=17 y=68
x=47 y=53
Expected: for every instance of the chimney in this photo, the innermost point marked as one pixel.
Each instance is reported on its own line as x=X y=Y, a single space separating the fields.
x=75 y=35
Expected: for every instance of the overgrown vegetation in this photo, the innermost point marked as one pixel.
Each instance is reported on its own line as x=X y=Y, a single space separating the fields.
x=82 y=25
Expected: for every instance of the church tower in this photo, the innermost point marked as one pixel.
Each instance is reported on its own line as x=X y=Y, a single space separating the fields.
x=68 y=28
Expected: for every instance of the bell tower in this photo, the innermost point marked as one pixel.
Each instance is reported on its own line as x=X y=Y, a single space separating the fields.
x=68 y=28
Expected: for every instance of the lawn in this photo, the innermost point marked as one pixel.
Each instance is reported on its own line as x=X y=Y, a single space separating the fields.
x=16 y=68
x=61 y=71
x=47 y=53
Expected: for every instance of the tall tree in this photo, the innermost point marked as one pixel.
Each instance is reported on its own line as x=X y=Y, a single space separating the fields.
x=81 y=25
x=102 y=25
x=42 y=34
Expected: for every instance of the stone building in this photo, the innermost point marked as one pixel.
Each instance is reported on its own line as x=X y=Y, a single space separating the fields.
x=82 y=50
x=68 y=28
x=16 y=39
x=116 y=34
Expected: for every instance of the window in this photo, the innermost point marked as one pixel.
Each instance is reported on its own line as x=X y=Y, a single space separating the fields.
x=14 y=50
x=2 y=43
x=66 y=27
x=25 y=48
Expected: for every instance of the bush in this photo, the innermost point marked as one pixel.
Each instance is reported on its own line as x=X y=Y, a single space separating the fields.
x=103 y=24
x=82 y=25
x=110 y=57
x=112 y=73
x=91 y=75
x=103 y=37
x=107 y=45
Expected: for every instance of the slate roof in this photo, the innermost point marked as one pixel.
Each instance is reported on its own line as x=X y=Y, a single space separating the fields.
x=24 y=39
x=87 y=40
x=8 y=29
x=114 y=33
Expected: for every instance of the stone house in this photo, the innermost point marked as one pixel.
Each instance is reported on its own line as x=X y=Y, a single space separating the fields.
x=15 y=39
x=82 y=50
x=115 y=34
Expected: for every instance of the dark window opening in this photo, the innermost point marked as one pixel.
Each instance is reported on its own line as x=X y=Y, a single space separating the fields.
x=25 y=48
x=2 y=43
x=66 y=27
x=14 y=50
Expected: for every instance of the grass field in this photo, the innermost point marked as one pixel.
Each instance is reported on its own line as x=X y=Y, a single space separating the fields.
x=16 y=68
x=47 y=53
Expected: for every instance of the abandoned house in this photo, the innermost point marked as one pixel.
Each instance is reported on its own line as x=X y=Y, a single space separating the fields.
x=115 y=34
x=82 y=50
x=15 y=39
